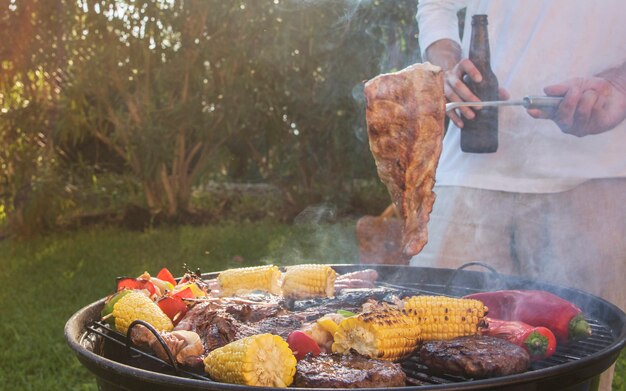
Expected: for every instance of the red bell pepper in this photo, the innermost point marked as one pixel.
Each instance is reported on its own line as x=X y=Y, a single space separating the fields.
x=174 y=307
x=539 y=342
x=165 y=275
x=301 y=345
x=537 y=308
x=186 y=293
x=136 y=283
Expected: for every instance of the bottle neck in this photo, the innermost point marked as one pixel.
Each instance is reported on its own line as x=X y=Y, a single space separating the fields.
x=479 y=52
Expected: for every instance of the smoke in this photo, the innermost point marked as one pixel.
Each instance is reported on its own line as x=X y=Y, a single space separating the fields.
x=564 y=239
x=317 y=236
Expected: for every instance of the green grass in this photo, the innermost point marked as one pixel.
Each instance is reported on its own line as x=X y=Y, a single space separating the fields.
x=45 y=281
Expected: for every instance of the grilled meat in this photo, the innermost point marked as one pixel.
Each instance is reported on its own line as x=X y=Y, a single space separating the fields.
x=220 y=322
x=347 y=371
x=216 y=328
x=278 y=325
x=474 y=357
x=350 y=299
x=405 y=123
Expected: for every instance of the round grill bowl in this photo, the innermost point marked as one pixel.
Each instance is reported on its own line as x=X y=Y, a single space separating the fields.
x=574 y=367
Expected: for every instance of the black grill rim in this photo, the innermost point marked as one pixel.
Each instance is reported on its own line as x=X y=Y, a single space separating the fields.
x=570 y=372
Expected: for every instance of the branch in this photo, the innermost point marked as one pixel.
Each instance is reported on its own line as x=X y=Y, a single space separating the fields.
x=169 y=194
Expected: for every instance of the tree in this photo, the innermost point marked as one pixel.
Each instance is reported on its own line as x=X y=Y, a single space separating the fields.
x=189 y=90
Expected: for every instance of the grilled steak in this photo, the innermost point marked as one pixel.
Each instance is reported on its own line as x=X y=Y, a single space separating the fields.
x=405 y=122
x=474 y=357
x=347 y=371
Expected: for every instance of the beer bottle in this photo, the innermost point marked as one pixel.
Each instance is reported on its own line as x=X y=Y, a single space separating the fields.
x=480 y=135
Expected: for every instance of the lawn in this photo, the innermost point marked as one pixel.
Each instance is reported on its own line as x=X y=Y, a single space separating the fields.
x=46 y=280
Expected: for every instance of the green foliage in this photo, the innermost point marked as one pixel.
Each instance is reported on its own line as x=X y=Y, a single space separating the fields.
x=172 y=94
x=241 y=202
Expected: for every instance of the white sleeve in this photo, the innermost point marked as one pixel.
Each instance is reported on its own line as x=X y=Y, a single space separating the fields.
x=437 y=19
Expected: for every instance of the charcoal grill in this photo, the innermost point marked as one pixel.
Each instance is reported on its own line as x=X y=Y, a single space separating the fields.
x=119 y=366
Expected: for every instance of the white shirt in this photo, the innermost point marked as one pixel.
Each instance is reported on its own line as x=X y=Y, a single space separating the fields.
x=534 y=43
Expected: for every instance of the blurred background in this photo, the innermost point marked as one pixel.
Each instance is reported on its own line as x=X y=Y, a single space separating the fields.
x=193 y=134
x=146 y=112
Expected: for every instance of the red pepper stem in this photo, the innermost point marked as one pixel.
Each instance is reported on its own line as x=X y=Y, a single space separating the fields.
x=578 y=328
x=536 y=344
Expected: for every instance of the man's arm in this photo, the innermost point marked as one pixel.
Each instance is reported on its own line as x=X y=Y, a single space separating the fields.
x=590 y=105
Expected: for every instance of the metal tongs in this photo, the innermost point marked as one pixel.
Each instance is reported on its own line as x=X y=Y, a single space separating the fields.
x=527 y=101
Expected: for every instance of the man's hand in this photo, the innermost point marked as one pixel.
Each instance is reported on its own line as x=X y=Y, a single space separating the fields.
x=457 y=91
x=590 y=105
x=447 y=54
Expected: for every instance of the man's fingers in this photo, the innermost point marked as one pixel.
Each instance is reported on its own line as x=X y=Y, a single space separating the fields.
x=583 y=113
x=468 y=68
x=561 y=88
x=540 y=114
x=454 y=117
x=461 y=90
x=556 y=90
x=564 y=116
x=467 y=112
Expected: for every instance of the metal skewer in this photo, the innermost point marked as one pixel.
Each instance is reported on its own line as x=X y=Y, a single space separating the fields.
x=527 y=101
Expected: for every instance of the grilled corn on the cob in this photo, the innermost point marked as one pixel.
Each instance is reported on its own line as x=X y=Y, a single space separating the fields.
x=385 y=333
x=441 y=317
x=258 y=360
x=247 y=279
x=135 y=305
x=304 y=281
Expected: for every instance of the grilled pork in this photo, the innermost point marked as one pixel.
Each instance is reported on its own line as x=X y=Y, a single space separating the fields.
x=474 y=357
x=405 y=123
x=347 y=371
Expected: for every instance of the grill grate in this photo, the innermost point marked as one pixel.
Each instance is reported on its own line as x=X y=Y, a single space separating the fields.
x=134 y=356
x=417 y=374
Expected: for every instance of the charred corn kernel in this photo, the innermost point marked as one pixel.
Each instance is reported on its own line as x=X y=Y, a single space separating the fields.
x=259 y=360
x=441 y=317
x=304 y=281
x=385 y=334
x=328 y=324
x=137 y=306
x=247 y=279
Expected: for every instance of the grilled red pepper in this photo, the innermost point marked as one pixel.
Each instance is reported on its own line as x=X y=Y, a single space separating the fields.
x=301 y=345
x=537 y=308
x=539 y=342
x=166 y=275
x=174 y=307
x=136 y=283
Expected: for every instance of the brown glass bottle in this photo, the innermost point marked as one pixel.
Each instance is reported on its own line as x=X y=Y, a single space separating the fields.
x=480 y=135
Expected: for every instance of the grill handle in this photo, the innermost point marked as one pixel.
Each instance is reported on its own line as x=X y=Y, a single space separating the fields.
x=158 y=337
x=469 y=264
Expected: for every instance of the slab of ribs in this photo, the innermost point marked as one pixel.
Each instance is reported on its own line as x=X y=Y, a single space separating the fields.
x=405 y=122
